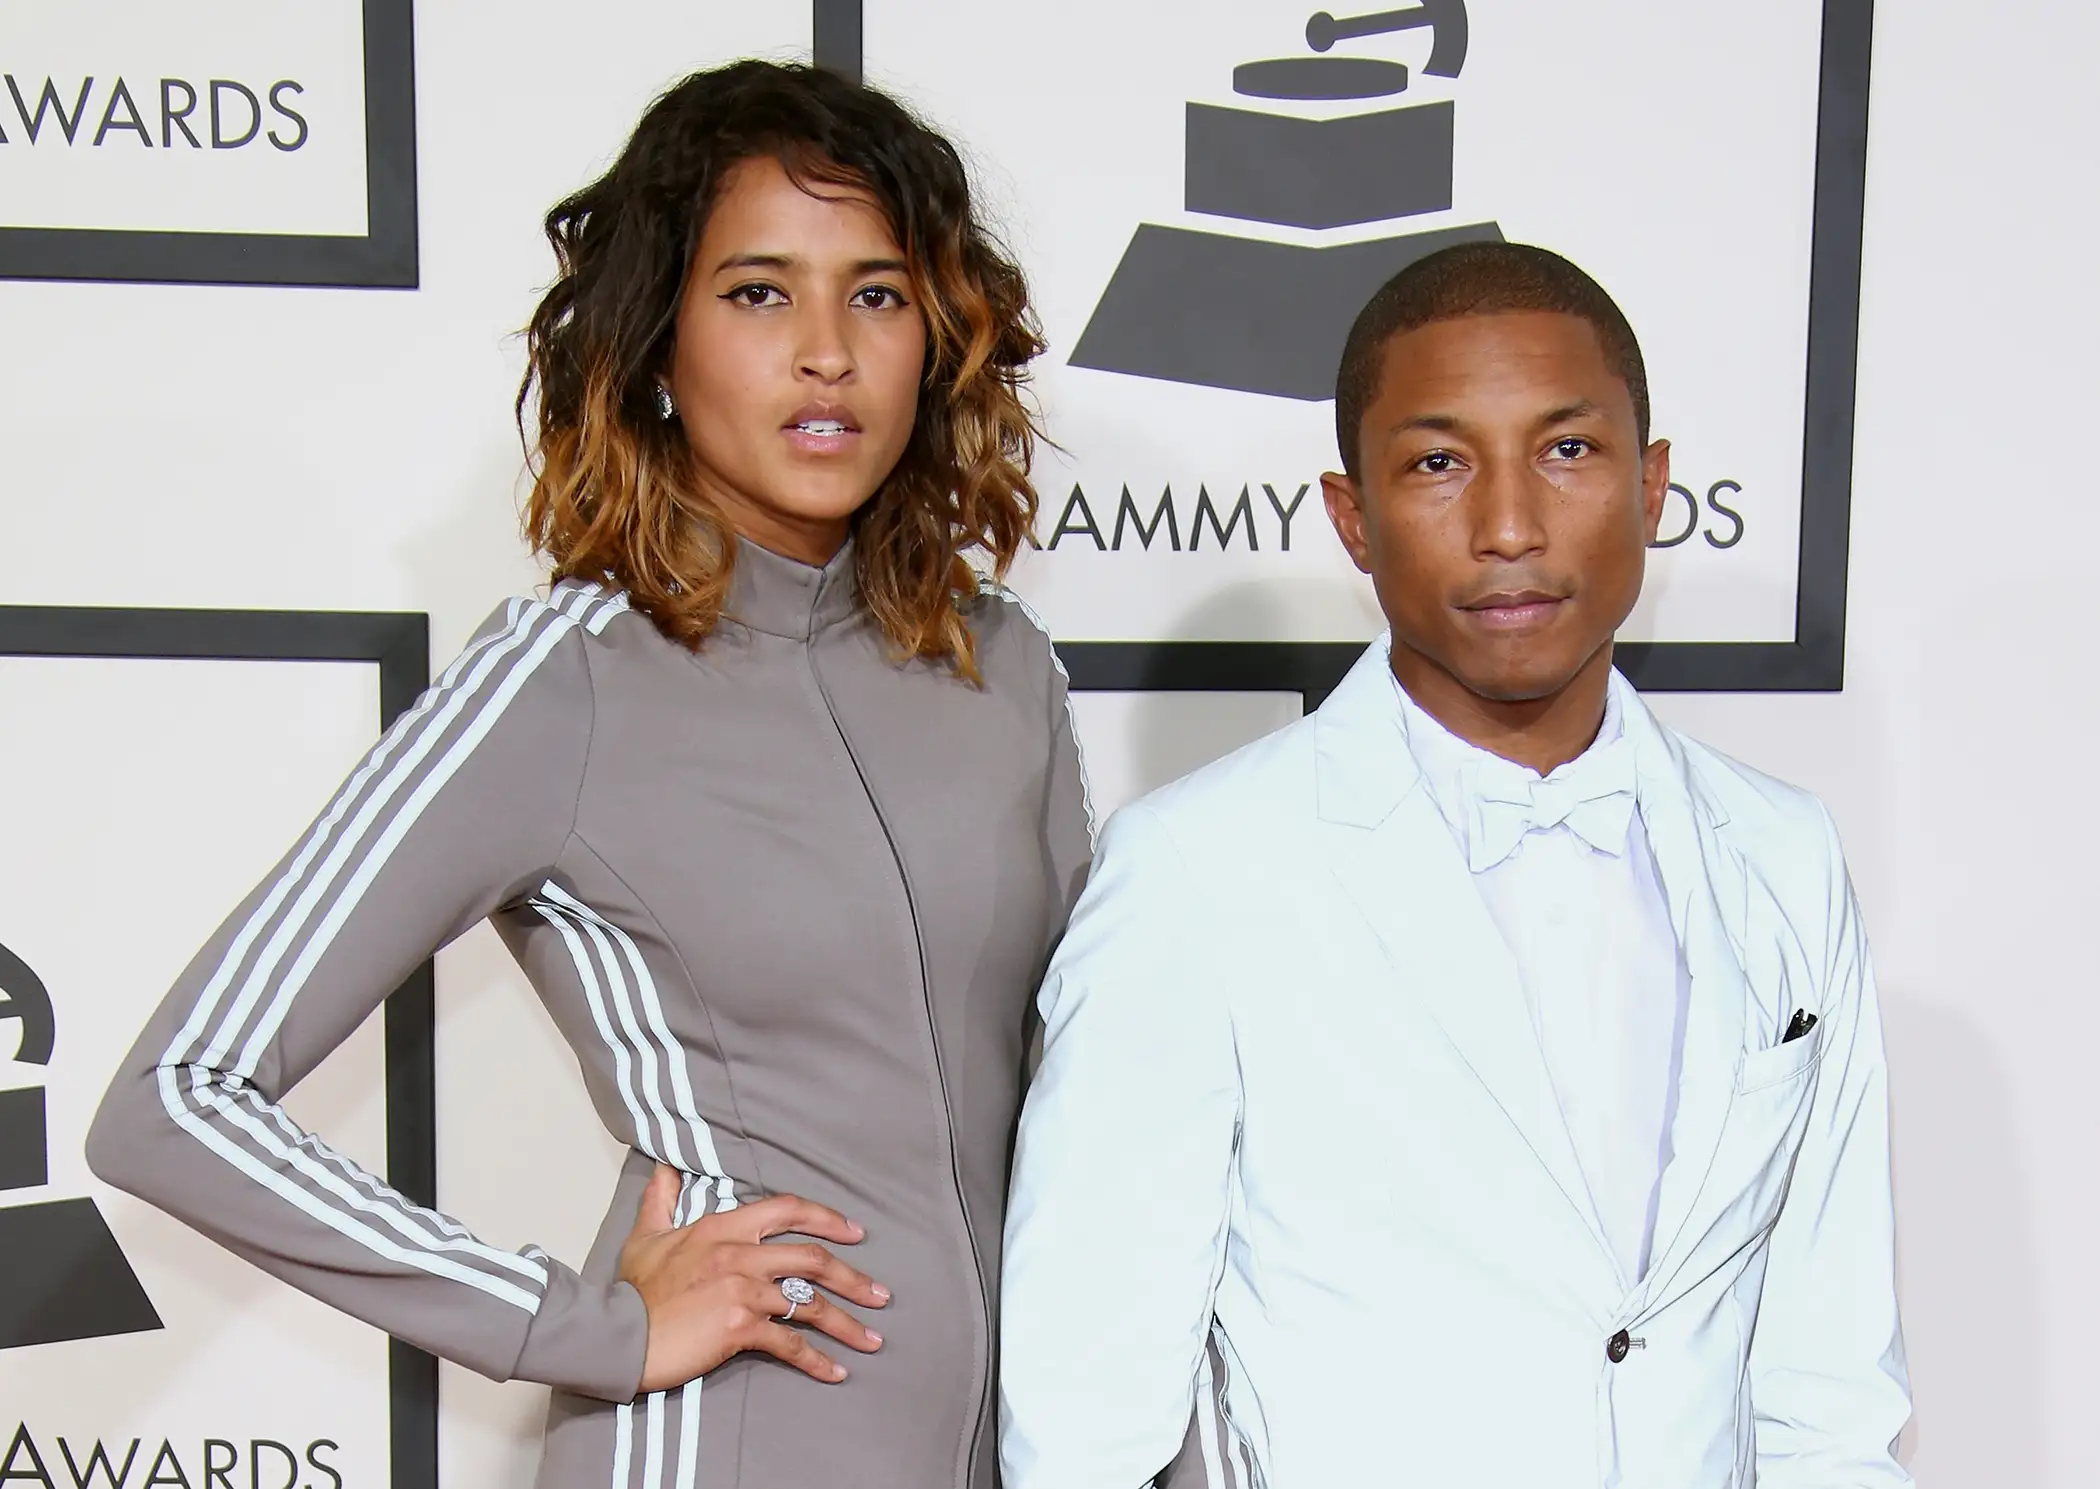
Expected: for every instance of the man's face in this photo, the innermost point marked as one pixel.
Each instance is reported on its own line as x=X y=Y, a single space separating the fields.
x=1505 y=504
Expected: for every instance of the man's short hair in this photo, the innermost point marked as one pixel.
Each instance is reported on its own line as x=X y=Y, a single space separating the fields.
x=1476 y=279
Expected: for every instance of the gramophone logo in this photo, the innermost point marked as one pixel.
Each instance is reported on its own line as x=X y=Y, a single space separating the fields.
x=1223 y=310
x=61 y=1273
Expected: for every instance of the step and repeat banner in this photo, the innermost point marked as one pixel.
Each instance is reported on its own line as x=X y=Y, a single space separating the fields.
x=223 y=141
x=287 y=245
x=132 y=1350
x=1205 y=199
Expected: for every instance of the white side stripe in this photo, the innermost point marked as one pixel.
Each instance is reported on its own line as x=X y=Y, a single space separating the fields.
x=618 y=979
x=351 y=1173
x=594 y=997
x=420 y=743
x=266 y=1126
x=247 y=1110
x=208 y=1000
x=674 y=1055
x=653 y=1443
x=692 y=1200
x=217 y=1142
x=689 y=1435
x=347 y=901
x=623 y=1446
x=587 y=604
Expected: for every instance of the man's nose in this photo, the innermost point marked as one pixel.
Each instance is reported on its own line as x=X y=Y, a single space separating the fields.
x=1508 y=500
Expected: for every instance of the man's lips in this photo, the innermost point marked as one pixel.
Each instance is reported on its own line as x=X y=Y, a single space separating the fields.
x=1514 y=610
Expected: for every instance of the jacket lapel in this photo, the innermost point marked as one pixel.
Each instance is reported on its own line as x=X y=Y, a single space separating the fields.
x=1705 y=887
x=1396 y=860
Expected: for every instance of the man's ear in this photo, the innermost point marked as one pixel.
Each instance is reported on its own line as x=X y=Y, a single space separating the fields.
x=1345 y=510
x=1655 y=486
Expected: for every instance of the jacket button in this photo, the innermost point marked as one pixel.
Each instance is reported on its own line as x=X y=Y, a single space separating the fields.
x=1615 y=1348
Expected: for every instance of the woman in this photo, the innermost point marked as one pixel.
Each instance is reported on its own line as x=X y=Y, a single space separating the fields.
x=778 y=809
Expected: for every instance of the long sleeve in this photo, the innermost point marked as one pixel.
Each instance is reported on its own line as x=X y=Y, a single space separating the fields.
x=1069 y=821
x=1827 y=1375
x=1116 y=1233
x=465 y=803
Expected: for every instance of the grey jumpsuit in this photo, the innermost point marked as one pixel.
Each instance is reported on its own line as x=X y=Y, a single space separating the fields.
x=787 y=899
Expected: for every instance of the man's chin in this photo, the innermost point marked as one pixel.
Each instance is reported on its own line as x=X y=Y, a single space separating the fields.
x=1511 y=690
x=1513 y=674
x=1525 y=680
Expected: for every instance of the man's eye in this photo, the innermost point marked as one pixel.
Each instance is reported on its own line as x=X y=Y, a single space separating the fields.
x=1437 y=462
x=1572 y=448
x=755 y=295
x=879 y=297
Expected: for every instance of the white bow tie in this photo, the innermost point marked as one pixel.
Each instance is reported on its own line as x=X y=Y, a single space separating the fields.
x=1594 y=798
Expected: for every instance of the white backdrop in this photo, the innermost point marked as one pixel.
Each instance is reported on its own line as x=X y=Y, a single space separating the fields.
x=145 y=815
x=352 y=449
x=1080 y=138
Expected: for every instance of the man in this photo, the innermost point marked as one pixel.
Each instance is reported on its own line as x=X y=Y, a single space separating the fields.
x=1478 y=1080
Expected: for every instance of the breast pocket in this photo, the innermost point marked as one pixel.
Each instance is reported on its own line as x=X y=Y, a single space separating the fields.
x=1775 y=1092
x=1791 y=1061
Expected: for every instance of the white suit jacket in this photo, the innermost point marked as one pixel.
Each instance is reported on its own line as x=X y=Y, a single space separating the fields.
x=1290 y=1091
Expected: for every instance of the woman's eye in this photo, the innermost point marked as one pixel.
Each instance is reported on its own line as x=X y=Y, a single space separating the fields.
x=754 y=295
x=878 y=297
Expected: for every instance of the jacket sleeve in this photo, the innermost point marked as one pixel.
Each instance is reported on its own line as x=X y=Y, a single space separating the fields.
x=1116 y=1232
x=1828 y=1380
x=462 y=806
x=1069 y=813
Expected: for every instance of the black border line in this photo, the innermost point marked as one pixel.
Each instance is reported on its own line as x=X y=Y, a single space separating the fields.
x=1814 y=661
x=838 y=36
x=399 y=643
x=385 y=258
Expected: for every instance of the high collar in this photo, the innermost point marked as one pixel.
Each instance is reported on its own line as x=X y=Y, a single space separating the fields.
x=782 y=596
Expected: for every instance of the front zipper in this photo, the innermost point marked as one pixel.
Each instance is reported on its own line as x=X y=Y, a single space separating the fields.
x=980 y=1379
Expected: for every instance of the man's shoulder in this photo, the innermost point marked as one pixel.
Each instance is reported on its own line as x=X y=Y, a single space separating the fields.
x=1227 y=806
x=1766 y=817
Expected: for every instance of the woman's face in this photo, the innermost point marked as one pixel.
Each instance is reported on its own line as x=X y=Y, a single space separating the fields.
x=799 y=348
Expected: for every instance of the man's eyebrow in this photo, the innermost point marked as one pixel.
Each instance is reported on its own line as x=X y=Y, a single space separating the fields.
x=1440 y=423
x=1567 y=413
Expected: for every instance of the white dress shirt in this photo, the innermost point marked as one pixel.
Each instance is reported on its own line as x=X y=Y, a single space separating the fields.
x=1564 y=868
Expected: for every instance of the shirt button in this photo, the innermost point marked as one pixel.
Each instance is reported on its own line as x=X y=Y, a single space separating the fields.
x=1615 y=1348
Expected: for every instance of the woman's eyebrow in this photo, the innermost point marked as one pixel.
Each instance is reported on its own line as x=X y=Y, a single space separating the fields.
x=791 y=261
x=757 y=261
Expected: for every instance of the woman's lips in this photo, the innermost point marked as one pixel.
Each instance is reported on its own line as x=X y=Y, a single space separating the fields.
x=821 y=437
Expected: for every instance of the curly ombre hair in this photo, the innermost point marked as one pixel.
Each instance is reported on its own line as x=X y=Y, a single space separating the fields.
x=612 y=498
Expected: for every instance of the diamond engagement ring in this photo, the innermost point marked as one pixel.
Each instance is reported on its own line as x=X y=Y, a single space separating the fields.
x=799 y=1292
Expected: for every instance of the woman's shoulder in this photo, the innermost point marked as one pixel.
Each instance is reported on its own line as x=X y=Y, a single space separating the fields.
x=569 y=605
x=1012 y=640
x=542 y=636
